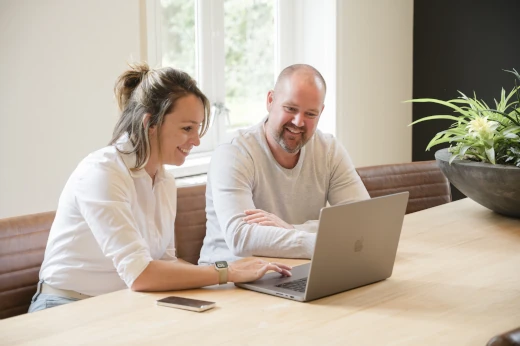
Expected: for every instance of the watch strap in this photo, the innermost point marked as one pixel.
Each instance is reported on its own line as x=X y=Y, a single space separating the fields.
x=222 y=276
x=222 y=269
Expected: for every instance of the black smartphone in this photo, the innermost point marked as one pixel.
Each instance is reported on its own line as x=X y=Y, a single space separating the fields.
x=186 y=303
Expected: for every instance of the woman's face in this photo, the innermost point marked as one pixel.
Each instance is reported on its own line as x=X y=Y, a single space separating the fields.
x=179 y=131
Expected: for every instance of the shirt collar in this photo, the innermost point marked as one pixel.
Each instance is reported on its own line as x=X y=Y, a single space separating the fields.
x=123 y=145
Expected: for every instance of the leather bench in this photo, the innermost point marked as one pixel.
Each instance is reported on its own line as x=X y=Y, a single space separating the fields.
x=23 y=238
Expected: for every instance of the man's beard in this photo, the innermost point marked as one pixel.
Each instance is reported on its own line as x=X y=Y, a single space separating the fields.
x=279 y=137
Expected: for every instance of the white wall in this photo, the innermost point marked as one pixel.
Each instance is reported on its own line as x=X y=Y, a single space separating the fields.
x=59 y=60
x=308 y=35
x=374 y=76
x=58 y=64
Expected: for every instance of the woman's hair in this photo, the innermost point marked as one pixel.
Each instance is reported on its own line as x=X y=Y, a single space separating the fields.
x=142 y=90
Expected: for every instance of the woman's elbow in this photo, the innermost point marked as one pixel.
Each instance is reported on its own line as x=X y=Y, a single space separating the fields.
x=139 y=286
x=144 y=280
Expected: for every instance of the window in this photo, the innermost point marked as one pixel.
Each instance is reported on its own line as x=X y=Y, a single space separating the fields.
x=235 y=49
x=228 y=46
x=249 y=32
x=178 y=35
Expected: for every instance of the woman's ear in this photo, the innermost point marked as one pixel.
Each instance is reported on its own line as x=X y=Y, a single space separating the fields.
x=146 y=120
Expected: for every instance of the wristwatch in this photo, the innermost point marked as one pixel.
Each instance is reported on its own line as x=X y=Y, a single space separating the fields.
x=222 y=269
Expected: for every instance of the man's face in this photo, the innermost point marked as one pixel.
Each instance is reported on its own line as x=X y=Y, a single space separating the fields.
x=294 y=110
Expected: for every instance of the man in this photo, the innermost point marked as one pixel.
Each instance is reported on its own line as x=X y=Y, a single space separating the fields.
x=266 y=188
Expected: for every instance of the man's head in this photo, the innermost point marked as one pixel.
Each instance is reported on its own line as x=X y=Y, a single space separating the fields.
x=295 y=106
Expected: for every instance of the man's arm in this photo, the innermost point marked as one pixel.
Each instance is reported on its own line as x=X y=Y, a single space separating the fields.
x=231 y=177
x=264 y=218
x=345 y=184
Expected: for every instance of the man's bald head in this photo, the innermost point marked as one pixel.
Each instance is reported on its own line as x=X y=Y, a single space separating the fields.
x=295 y=106
x=305 y=73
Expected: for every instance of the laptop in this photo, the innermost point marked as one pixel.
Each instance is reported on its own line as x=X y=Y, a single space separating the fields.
x=356 y=244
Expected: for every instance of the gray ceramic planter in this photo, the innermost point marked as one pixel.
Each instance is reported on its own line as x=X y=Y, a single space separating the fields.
x=496 y=187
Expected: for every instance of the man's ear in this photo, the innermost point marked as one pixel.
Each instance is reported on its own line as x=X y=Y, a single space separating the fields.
x=146 y=120
x=269 y=100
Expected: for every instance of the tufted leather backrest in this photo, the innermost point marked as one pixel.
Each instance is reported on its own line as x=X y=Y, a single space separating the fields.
x=190 y=222
x=23 y=239
x=424 y=180
x=22 y=245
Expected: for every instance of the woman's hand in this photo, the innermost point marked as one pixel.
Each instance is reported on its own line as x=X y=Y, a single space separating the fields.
x=251 y=269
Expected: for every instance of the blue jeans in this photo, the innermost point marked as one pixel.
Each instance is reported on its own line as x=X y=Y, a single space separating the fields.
x=42 y=301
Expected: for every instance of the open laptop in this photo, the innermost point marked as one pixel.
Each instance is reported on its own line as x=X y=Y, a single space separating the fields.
x=355 y=246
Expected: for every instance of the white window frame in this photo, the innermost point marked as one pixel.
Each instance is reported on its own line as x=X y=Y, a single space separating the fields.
x=300 y=27
x=209 y=26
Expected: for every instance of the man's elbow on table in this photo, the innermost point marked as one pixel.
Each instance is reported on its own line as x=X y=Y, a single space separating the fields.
x=237 y=242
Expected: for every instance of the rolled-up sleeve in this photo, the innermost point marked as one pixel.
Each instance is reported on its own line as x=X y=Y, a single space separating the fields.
x=103 y=199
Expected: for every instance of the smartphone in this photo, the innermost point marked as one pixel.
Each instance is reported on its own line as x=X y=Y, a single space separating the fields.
x=186 y=303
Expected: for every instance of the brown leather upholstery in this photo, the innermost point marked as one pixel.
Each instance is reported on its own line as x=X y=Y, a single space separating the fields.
x=427 y=185
x=510 y=338
x=23 y=239
x=190 y=223
x=424 y=180
x=22 y=245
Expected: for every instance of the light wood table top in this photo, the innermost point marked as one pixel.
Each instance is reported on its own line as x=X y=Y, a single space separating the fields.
x=456 y=281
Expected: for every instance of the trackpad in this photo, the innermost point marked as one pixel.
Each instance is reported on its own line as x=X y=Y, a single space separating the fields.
x=298 y=272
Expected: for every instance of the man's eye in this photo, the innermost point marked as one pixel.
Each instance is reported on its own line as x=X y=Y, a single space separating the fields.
x=188 y=128
x=290 y=109
x=312 y=115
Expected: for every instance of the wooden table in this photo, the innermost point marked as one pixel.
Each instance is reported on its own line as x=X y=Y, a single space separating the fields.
x=456 y=281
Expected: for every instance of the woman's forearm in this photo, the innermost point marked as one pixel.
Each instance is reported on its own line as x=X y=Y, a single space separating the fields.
x=174 y=275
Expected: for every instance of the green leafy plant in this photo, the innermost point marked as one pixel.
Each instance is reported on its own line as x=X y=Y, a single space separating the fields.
x=481 y=133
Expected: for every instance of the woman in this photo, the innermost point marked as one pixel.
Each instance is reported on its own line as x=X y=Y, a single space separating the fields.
x=114 y=227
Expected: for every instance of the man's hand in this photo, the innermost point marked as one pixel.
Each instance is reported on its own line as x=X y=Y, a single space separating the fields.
x=251 y=269
x=264 y=218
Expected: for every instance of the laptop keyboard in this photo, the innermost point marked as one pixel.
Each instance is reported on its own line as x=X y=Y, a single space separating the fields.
x=296 y=285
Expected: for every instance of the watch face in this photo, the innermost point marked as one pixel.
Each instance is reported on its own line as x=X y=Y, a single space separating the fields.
x=221 y=264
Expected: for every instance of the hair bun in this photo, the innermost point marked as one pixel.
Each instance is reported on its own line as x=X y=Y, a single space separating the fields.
x=128 y=81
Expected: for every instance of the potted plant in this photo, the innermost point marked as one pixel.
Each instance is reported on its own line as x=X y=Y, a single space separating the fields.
x=483 y=160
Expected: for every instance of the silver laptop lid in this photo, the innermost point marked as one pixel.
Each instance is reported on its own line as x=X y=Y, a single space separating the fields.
x=356 y=244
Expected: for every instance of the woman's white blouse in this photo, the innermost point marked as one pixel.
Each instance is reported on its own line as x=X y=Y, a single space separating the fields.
x=110 y=223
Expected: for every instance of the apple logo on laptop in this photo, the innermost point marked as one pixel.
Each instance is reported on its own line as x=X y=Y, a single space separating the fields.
x=358 y=246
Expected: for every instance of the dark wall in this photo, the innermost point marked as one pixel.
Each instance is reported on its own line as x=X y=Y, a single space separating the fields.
x=460 y=45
